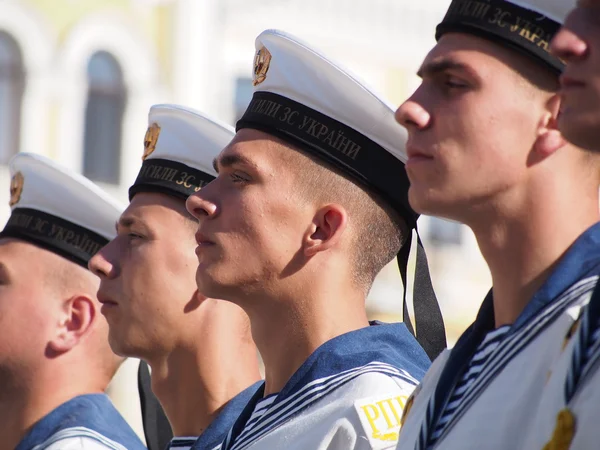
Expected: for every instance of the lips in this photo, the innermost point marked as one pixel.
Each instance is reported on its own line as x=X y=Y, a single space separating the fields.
x=202 y=240
x=416 y=155
x=105 y=300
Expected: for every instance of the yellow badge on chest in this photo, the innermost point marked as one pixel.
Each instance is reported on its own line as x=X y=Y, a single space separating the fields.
x=150 y=140
x=563 y=432
x=380 y=418
x=16 y=187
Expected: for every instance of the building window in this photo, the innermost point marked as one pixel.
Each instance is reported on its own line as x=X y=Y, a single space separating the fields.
x=104 y=113
x=444 y=232
x=12 y=86
x=243 y=95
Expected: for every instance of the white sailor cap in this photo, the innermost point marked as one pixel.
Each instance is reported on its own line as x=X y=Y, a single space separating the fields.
x=527 y=26
x=179 y=149
x=58 y=210
x=304 y=98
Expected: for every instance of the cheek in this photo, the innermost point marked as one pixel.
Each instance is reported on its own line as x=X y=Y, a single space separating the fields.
x=21 y=312
x=267 y=236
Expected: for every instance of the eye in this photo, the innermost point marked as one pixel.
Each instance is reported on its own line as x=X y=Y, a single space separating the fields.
x=132 y=235
x=238 y=177
x=455 y=83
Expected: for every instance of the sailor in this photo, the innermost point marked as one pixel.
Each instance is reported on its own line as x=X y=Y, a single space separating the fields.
x=484 y=150
x=203 y=360
x=567 y=416
x=55 y=361
x=309 y=204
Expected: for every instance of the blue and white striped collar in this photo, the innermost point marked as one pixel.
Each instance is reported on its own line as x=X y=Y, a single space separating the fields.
x=383 y=348
x=91 y=415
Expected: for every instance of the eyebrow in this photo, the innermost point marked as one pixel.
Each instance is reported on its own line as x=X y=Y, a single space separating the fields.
x=125 y=222
x=229 y=160
x=436 y=67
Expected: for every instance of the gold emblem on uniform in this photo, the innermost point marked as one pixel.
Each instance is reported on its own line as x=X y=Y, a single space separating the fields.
x=16 y=187
x=150 y=140
x=563 y=432
x=261 y=66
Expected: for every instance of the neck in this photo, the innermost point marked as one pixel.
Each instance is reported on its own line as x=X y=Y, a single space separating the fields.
x=523 y=246
x=288 y=328
x=24 y=400
x=193 y=384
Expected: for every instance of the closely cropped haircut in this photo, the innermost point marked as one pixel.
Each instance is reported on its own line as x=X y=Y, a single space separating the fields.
x=379 y=233
x=531 y=73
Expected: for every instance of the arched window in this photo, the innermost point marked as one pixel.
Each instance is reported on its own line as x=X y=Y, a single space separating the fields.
x=104 y=119
x=12 y=85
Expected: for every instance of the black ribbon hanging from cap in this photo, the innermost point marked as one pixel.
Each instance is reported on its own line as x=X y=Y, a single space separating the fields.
x=157 y=429
x=429 y=322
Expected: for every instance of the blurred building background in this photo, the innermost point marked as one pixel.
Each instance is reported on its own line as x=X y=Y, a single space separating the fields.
x=77 y=78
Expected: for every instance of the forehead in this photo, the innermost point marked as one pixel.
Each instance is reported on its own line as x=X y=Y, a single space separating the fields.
x=19 y=253
x=254 y=148
x=477 y=54
x=153 y=208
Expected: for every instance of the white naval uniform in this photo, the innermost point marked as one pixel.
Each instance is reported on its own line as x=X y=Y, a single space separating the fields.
x=501 y=404
x=348 y=395
x=583 y=400
x=87 y=422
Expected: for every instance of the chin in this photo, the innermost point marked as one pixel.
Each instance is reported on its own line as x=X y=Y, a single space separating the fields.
x=438 y=205
x=207 y=284
x=121 y=346
x=423 y=201
x=212 y=286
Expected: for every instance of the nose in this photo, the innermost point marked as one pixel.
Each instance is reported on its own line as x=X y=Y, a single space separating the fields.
x=100 y=264
x=567 y=45
x=200 y=207
x=412 y=115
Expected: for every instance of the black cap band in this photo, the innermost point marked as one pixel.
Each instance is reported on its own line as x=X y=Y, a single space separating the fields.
x=501 y=21
x=169 y=177
x=73 y=242
x=338 y=144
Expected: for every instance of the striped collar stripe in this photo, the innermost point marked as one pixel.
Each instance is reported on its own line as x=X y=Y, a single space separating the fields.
x=585 y=352
x=593 y=357
x=81 y=432
x=490 y=343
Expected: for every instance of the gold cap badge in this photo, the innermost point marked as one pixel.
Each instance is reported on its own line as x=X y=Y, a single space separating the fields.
x=261 y=66
x=16 y=187
x=150 y=140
